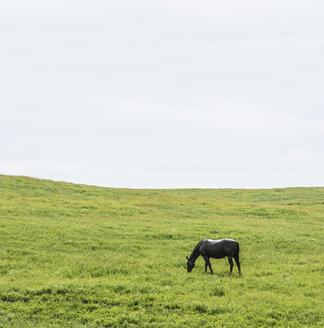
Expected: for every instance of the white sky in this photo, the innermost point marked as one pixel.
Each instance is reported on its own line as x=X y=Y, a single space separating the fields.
x=163 y=94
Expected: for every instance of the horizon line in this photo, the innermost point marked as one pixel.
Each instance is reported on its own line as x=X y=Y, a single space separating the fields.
x=158 y=188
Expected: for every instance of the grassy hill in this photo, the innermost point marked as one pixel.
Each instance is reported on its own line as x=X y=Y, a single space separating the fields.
x=83 y=256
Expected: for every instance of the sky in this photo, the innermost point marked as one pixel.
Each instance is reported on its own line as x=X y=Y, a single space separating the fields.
x=163 y=94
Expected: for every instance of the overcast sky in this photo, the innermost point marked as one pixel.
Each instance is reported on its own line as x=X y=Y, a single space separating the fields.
x=163 y=94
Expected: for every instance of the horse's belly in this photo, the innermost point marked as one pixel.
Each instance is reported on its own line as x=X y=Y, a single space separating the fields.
x=215 y=251
x=217 y=255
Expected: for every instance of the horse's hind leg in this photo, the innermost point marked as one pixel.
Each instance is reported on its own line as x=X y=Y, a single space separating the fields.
x=230 y=260
x=237 y=260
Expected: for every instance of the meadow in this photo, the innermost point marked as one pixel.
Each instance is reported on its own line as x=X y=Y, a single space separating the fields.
x=84 y=256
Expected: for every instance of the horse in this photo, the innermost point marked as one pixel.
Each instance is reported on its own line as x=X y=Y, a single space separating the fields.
x=216 y=249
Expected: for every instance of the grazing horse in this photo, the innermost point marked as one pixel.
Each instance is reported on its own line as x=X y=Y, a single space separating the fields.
x=216 y=249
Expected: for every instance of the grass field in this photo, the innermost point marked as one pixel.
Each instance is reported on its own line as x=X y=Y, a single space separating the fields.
x=83 y=256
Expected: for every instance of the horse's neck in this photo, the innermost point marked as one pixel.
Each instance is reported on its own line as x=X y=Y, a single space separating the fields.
x=194 y=255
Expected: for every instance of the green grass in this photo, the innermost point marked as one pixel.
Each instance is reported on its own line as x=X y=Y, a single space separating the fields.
x=83 y=256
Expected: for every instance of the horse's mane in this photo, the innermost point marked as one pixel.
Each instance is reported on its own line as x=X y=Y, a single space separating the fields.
x=195 y=252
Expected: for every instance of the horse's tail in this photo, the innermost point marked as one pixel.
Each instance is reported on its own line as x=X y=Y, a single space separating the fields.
x=238 y=249
x=237 y=258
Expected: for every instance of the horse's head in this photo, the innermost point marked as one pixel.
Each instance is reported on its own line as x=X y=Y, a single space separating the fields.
x=190 y=264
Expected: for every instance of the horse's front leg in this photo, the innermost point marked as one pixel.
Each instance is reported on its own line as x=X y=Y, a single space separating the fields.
x=211 y=270
x=206 y=263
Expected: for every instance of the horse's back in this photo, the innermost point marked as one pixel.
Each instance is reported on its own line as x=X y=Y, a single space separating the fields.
x=219 y=248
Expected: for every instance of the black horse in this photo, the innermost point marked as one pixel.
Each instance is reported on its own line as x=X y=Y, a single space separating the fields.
x=216 y=249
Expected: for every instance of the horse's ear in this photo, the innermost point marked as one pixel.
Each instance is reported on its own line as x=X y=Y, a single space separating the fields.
x=187 y=258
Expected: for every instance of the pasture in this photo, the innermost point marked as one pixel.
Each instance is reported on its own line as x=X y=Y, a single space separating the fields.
x=84 y=256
